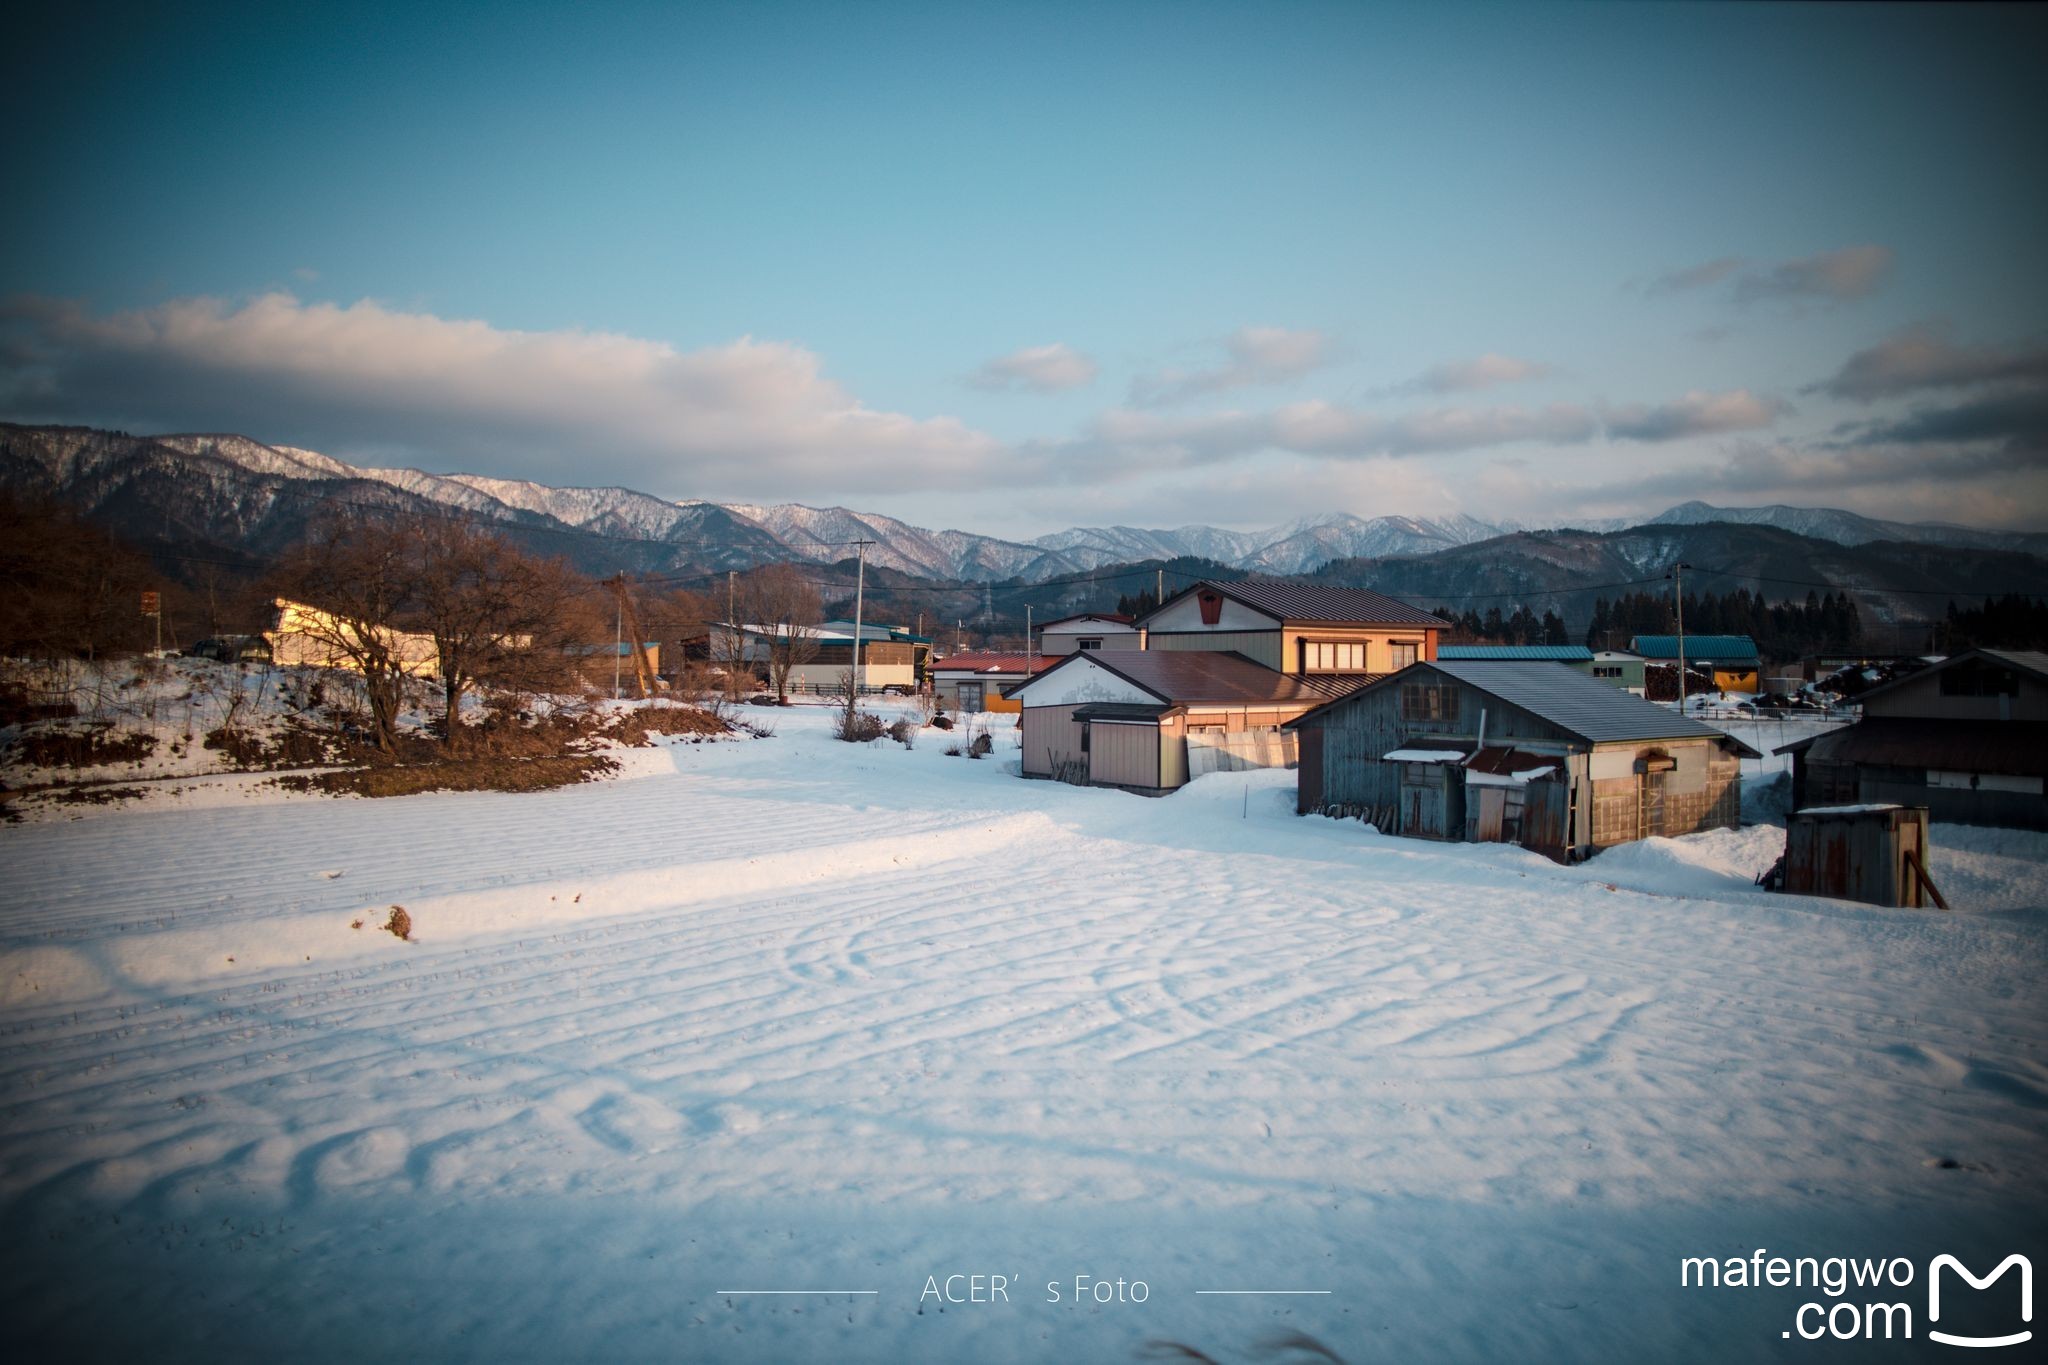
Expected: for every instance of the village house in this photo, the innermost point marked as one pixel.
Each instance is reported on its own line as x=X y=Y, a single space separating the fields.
x=307 y=636
x=1516 y=752
x=1966 y=738
x=1295 y=628
x=1621 y=669
x=973 y=682
x=1101 y=631
x=890 y=655
x=1731 y=661
x=1149 y=721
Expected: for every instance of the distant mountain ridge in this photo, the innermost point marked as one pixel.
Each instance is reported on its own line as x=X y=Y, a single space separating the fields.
x=229 y=490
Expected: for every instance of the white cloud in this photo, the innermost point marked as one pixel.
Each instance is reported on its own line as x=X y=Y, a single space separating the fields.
x=1257 y=355
x=1036 y=369
x=1482 y=372
x=1696 y=414
x=752 y=418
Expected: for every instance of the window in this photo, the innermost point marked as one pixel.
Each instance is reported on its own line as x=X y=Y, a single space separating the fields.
x=1606 y=670
x=1086 y=729
x=1429 y=701
x=971 y=696
x=1418 y=774
x=1405 y=653
x=1333 y=656
x=1088 y=644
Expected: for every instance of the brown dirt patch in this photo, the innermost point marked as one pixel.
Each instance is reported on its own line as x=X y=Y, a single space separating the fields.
x=463 y=775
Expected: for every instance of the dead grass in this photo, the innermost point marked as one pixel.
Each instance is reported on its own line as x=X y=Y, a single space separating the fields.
x=293 y=746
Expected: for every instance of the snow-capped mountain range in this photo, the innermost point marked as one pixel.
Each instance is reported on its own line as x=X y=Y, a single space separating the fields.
x=240 y=485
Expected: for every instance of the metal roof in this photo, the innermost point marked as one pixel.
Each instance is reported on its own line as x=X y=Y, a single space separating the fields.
x=1313 y=602
x=1699 y=649
x=1196 y=677
x=1595 y=711
x=979 y=662
x=1558 y=653
x=1970 y=746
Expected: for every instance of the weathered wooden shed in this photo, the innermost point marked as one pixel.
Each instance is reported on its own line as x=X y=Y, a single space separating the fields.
x=1525 y=753
x=1875 y=853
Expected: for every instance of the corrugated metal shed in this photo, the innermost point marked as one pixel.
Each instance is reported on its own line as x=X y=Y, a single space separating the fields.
x=1316 y=603
x=1555 y=653
x=1699 y=649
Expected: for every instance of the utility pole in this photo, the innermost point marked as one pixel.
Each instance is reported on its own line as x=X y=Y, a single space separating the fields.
x=732 y=633
x=1678 y=594
x=1029 y=652
x=618 y=644
x=1158 y=587
x=859 y=592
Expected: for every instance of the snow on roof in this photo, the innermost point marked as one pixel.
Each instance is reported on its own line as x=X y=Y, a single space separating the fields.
x=1424 y=756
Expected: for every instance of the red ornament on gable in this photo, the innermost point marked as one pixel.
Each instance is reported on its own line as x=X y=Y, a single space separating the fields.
x=1211 y=603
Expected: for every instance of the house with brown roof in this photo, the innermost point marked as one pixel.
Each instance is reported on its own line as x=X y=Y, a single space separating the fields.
x=974 y=682
x=1967 y=738
x=1150 y=720
x=1296 y=628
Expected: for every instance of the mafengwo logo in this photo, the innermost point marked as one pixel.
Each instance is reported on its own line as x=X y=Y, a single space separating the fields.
x=1934 y=1298
x=1879 y=1314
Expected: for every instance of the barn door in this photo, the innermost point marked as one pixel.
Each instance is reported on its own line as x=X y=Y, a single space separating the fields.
x=1424 y=813
x=1493 y=802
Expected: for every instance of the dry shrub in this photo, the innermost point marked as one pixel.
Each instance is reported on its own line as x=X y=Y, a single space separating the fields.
x=858 y=727
x=904 y=733
x=400 y=923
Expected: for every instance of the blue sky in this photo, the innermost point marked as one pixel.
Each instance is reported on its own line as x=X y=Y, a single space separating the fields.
x=1016 y=267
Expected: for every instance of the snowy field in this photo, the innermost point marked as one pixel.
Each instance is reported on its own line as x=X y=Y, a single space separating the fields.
x=793 y=1015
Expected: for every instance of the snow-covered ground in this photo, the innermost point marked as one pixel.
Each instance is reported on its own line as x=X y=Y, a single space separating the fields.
x=793 y=1015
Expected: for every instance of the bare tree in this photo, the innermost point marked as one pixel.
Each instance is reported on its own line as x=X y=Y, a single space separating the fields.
x=358 y=578
x=498 y=616
x=779 y=601
x=70 y=588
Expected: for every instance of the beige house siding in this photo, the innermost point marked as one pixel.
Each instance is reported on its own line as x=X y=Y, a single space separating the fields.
x=1173 y=752
x=1052 y=737
x=1379 y=646
x=1122 y=755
